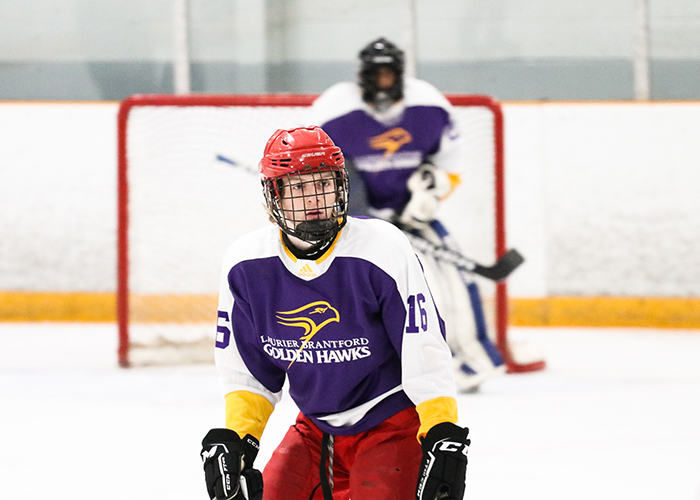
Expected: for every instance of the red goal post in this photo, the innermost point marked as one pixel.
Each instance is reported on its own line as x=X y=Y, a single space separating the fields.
x=182 y=160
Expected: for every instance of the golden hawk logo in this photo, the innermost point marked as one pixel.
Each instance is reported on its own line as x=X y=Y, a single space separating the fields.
x=311 y=317
x=390 y=141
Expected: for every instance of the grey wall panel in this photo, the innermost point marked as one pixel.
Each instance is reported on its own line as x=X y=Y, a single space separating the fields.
x=538 y=80
x=308 y=78
x=507 y=80
x=675 y=79
x=514 y=50
x=75 y=81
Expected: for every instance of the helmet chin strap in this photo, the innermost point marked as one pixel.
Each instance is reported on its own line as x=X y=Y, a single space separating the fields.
x=317 y=246
x=315 y=231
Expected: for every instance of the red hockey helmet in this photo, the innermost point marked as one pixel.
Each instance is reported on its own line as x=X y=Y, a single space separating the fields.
x=288 y=156
x=298 y=149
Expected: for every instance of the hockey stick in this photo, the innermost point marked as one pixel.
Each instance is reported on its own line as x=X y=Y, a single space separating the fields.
x=237 y=164
x=504 y=266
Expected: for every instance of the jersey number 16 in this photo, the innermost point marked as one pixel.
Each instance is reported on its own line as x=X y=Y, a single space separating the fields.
x=416 y=302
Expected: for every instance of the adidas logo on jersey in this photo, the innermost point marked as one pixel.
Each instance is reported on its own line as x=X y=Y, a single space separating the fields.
x=306 y=272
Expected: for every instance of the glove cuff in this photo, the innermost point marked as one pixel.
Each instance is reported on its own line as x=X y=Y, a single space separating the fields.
x=251 y=446
x=248 y=446
x=215 y=436
x=444 y=430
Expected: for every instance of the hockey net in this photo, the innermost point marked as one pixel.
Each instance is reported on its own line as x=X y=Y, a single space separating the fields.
x=188 y=187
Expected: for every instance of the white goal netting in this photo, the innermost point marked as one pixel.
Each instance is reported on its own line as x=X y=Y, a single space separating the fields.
x=189 y=187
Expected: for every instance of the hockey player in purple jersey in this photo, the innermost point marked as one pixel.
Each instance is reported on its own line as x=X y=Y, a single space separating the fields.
x=339 y=307
x=399 y=134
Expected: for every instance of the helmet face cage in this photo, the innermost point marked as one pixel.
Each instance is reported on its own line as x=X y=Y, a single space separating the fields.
x=310 y=204
x=381 y=53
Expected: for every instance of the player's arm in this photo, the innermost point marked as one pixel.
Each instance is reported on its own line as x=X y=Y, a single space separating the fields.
x=428 y=380
x=228 y=454
x=247 y=413
x=444 y=445
x=443 y=467
x=451 y=153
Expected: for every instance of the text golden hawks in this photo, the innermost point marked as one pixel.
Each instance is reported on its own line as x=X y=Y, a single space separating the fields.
x=312 y=318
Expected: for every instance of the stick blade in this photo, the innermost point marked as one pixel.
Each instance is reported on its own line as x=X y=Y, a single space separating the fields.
x=508 y=263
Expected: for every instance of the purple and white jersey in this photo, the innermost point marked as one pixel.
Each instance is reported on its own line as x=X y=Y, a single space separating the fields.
x=356 y=331
x=386 y=148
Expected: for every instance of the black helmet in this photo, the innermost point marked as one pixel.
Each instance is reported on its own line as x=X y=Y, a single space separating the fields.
x=381 y=53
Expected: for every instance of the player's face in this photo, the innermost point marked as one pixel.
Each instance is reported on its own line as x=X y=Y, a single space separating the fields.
x=309 y=197
x=385 y=78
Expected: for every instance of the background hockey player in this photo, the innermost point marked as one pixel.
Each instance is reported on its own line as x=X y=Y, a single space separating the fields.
x=339 y=307
x=400 y=136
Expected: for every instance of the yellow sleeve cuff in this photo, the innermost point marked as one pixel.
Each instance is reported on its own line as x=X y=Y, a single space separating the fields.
x=247 y=413
x=436 y=411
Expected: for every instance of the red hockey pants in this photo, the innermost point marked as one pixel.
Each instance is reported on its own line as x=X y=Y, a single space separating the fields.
x=380 y=464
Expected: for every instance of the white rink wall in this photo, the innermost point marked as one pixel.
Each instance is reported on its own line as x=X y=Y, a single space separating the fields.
x=602 y=198
x=58 y=192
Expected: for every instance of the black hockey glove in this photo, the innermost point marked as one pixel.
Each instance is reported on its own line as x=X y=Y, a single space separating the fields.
x=228 y=466
x=444 y=463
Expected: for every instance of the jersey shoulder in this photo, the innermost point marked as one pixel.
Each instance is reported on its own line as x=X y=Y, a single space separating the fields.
x=338 y=100
x=258 y=244
x=421 y=93
x=377 y=241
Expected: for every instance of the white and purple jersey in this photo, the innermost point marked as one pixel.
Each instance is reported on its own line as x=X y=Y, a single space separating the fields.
x=386 y=148
x=355 y=332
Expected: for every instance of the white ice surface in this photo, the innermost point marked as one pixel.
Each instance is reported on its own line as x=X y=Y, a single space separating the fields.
x=616 y=415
